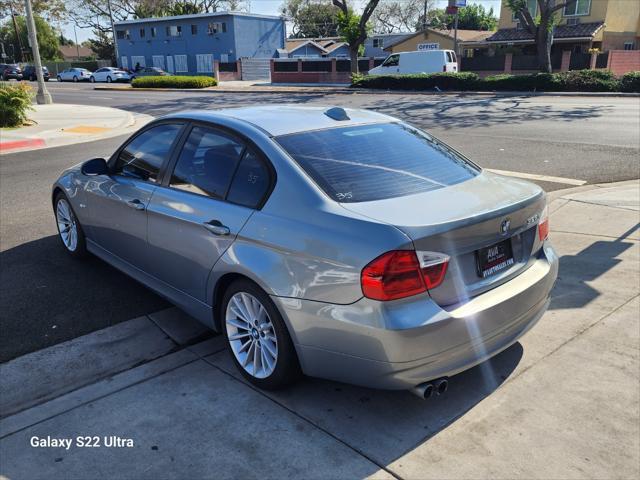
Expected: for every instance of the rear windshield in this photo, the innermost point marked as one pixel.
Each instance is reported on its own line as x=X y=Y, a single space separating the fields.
x=373 y=162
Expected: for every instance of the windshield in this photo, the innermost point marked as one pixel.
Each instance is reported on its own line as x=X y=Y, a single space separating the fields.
x=374 y=162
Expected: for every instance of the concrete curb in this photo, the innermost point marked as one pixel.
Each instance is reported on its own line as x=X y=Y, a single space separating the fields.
x=343 y=90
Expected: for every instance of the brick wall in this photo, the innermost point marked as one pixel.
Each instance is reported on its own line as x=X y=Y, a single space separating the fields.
x=299 y=76
x=623 y=61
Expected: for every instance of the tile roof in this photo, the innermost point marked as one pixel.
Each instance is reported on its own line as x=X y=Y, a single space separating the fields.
x=580 y=30
x=70 y=51
x=463 y=35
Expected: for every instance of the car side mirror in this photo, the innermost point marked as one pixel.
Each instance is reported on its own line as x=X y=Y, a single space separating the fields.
x=95 y=166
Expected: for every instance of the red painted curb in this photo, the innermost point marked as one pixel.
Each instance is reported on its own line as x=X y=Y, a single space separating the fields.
x=30 y=142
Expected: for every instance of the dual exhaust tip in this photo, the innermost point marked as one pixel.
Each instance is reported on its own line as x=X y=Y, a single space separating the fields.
x=428 y=389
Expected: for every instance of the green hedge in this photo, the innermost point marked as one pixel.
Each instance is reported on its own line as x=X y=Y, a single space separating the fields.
x=630 y=82
x=15 y=102
x=574 y=81
x=174 y=81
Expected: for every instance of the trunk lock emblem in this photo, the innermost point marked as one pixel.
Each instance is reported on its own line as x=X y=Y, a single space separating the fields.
x=504 y=226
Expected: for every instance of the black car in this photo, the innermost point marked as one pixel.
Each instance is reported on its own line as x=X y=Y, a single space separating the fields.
x=10 y=71
x=29 y=73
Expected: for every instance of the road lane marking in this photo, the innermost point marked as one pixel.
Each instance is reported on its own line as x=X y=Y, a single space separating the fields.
x=541 y=178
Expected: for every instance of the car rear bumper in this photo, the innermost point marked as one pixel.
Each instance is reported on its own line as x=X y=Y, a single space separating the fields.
x=400 y=344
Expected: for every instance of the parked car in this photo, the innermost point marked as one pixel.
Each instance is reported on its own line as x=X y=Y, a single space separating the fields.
x=110 y=74
x=148 y=72
x=9 y=71
x=29 y=73
x=344 y=244
x=74 y=75
x=425 y=61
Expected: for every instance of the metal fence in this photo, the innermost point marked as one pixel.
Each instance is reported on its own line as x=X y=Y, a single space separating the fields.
x=316 y=65
x=482 y=63
x=524 y=62
x=228 y=67
x=286 y=65
x=92 y=65
x=602 y=60
x=580 y=61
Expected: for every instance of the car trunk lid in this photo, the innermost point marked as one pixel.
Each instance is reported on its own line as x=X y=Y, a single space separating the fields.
x=463 y=219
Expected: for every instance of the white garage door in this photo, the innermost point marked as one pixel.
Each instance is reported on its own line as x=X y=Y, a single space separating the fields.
x=138 y=59
x=180 y=62
x=204 y=63
x=158 y=61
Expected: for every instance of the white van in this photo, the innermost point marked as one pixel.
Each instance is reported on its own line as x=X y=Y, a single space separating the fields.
x=424 y=61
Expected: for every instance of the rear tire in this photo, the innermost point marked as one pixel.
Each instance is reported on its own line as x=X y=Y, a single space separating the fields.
x=262 y=349
x=75 y=79
x=59 y=78
x=109 y=80
x=70 y=231
x=92 y=80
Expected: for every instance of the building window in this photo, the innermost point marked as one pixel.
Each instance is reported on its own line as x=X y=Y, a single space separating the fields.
x=142 y=32
x=378 y=43
x=579 y=7
x=174 y=31
x=532 y=6
x=629 y=45
x=214 y=28
x=158 y=61
x=138 y=61
x=204 y=63
x=180 y=62
x=154 y=32
x=194 y=29
x=122 y=34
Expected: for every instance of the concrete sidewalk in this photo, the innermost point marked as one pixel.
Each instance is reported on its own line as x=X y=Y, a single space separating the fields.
x=63 y=124
x=561 y=403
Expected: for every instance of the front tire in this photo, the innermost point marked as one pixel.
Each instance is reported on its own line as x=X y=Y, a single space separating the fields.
x=257 y=337
x=108 y=79
x=75 y=79
x=59 y=78
x=92 y=80
x=69 y=229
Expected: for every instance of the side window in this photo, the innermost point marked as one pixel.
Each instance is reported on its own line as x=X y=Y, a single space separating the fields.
x=392 y=61
x=144 y=155
x=207 y=162
x=251 y=181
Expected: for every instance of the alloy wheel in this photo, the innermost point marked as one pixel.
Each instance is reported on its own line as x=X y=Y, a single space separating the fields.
x=67 y=225
x=251 y=335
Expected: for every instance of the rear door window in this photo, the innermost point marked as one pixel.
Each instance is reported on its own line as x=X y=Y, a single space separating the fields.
x=207 y=163
x=378 y=161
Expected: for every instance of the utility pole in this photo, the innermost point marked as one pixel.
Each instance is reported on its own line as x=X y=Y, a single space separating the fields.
x=17 y=31
x=75 y=34
x=455 y=35
x=424 y=16
x=43 y=96
x=113 y=31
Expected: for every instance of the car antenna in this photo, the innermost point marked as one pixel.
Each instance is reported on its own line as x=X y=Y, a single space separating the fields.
x=337 y=113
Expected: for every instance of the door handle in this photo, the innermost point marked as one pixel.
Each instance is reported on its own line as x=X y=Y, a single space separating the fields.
x=135 y=204
x=217 y=228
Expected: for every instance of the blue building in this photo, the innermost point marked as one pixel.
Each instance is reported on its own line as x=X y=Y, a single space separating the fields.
x=188 y=44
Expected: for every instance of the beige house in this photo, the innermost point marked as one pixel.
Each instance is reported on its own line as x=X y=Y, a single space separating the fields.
x=585 y=24
x=441 y=39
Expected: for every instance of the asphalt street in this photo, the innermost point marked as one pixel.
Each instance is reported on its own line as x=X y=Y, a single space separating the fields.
x=46 y=298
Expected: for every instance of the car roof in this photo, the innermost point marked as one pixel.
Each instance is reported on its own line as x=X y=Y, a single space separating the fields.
x=285 y=119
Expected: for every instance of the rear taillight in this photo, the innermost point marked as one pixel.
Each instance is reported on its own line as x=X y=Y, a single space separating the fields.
x=402 y=273
x=543 y=225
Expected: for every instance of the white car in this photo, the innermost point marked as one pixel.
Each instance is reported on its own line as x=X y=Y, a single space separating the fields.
x=424 y=61
x=74 y=75
x=110 y=74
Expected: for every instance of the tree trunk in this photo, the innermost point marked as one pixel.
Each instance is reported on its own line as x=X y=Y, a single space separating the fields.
x=353 y=53
x=544 y=39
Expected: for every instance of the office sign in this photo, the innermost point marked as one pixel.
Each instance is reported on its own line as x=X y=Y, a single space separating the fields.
x=428 y=46
x=457 y=3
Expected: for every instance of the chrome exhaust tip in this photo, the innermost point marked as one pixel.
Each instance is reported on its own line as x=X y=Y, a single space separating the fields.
x=441 y=385
x=424 y=390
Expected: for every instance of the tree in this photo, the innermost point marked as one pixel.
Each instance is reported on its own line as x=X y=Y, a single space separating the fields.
x=102 y=46
x=47 y=37
x=397 y=15
x=471 y=17
x=541 y=27
x=48 y=9
x=311 y=18
x=354 y=28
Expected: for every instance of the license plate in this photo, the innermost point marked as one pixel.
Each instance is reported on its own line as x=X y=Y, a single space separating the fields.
x=493 y=259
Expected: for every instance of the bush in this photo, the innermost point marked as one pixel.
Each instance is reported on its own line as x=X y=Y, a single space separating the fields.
x=174 y=81
x=587 y=81
x=422 y=81
x=630 y=82
x=15 y=102
x=574 y=81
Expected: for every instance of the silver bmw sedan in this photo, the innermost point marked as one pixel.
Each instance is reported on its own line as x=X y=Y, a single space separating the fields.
x=338 y=243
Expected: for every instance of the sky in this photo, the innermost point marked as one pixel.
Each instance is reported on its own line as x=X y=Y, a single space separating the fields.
x=272 y=7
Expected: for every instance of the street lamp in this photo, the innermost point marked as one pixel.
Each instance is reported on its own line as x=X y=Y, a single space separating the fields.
x=43 y=96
